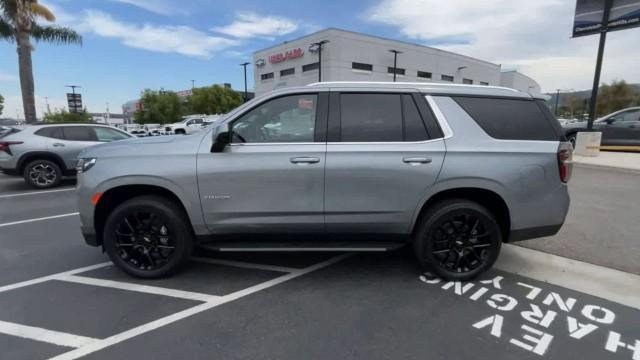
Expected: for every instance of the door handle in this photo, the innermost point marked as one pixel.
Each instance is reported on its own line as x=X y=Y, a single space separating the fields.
x=416 y=160
x=58 y=145
x=304 y=160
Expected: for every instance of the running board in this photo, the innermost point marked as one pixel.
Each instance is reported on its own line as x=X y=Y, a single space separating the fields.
x=303 y=246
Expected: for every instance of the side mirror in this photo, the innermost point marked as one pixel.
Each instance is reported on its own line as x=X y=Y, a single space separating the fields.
x=222 y=140
x=610 y=121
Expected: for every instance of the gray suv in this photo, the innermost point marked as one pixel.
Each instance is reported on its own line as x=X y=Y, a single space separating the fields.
x=44 y=153
x=453 y=170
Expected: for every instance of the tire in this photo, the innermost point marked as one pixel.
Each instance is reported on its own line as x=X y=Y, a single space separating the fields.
x=443 y=239
x=180 y=132
x=42 y=174
x=161 y=237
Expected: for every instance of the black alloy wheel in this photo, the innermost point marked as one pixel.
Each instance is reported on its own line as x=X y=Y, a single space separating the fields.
x=458 y=240
x=148 y=237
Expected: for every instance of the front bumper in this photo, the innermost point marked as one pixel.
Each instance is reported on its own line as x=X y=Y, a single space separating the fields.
x=90 y=236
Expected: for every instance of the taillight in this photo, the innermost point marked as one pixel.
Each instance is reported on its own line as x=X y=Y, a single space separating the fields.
x=565 y=155
x=4 y=145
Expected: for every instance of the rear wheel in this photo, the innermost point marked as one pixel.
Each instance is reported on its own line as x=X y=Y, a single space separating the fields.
x=180 y=132
x=42 y=174
x=458 y=239
x=148 y=237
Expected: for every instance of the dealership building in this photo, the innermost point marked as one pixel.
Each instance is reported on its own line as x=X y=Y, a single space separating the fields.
x=351 y=56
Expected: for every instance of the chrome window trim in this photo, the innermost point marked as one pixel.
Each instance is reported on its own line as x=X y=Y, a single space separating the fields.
x=276 y=143
x=442 y=120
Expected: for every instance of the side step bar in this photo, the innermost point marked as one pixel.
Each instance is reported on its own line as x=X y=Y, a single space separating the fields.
x=303 y=246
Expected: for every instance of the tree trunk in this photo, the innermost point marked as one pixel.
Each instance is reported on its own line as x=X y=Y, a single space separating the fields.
x=26 y=77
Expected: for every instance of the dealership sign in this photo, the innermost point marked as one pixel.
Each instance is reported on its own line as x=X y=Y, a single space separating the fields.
x=589 y=16
x=286 y=55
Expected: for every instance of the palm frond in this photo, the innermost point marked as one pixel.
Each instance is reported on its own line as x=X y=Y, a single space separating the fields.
x=6 y=30
x=42 y=11
x=55 y=34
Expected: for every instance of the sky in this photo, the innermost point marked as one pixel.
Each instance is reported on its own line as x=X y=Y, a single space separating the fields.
x=131 y=45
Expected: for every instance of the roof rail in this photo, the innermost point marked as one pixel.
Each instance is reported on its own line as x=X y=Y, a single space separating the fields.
x=415 y=84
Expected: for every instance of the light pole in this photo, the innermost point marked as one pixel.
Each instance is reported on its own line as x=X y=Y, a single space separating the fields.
x=193 y=84
x=244 y=65
x=395 y=62
x=555 y=110
x=318 y=46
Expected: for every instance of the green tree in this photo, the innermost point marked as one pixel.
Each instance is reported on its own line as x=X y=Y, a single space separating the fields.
x=159 y=107
x=65 y=116
x=572 y=105
x=19 y=24
x=615 y=96
x=212 y=100
x=1 y=104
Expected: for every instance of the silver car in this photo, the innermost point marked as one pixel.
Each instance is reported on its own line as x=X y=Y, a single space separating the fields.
x=44 y=153
x=454 y=171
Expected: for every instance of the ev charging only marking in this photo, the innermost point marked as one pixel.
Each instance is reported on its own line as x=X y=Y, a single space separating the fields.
x=540 y=309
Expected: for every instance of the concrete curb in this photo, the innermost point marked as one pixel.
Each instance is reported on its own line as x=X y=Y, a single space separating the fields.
x=603 y=282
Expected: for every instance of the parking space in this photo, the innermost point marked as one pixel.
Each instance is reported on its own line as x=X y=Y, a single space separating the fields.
x=61 y=299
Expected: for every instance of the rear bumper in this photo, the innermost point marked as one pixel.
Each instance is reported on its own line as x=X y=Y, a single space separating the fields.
x=533 y=233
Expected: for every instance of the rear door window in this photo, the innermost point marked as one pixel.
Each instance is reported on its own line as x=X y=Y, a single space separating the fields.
x=54 y=132
x=509 y=119
x=79 y=133
x=371 y=117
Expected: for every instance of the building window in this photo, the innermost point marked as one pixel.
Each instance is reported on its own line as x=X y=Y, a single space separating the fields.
x=399 y=71
x=447 y=78
x=266 y=76
x=286 y=72
x=361 y=66
x=484 y=83
x=424 y=74
x=467 y=81
x=309 y=67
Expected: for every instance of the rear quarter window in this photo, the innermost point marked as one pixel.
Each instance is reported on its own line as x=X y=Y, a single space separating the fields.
x=509 y=119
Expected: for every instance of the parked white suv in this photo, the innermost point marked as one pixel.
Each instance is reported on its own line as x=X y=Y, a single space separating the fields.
x=187 y=126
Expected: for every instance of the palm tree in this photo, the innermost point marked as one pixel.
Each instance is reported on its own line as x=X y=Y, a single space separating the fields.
x=18 y=23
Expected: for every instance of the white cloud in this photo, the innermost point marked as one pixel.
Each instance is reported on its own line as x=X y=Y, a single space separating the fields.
x=533 y=36
x=251 y=25
x=161 y=7
x=161 y=38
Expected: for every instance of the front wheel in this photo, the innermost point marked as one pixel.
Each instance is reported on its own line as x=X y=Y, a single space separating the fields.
x=148 y=237
x=458 y=239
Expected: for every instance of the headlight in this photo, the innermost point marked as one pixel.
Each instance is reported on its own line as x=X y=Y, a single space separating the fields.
x=84 y=164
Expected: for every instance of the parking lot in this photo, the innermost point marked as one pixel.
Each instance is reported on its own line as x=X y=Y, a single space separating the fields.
x=61 y=299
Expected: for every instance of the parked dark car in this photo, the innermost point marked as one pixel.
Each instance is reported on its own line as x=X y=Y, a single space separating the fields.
x=619 y=128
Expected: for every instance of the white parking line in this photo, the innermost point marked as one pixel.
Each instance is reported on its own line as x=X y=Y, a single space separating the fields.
x=155 y=290
x=44 y=335
x=38 y=219
x=609 y=284
x=52 y=277
x=115 y=339
x=243 y=264
x=35 y=193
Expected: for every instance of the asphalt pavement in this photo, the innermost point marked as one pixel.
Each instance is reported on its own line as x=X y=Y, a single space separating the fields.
x=61 y=299
x=603 y=224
